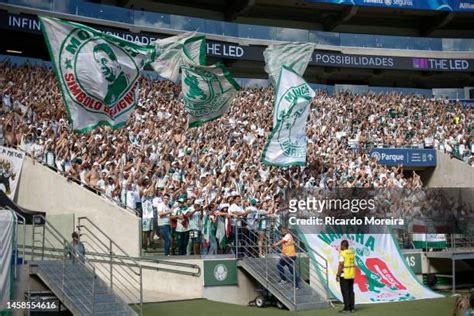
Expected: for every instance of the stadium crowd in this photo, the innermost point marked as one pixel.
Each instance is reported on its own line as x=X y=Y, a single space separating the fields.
x=173 y=175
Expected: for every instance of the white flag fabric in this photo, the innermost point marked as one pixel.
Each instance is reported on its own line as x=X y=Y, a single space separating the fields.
x=7 y=101
x=382 y=274
x=97 y=73
x=286 y=145
x=293 y=55
x=170 y=52
x=11 y=162
x=207 y=91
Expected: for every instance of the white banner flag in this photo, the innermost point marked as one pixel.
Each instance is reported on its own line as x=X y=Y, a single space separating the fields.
x=97 y=73
x=7 y=101
x=287 y=143
x=381 y=272
x=11 y=162
x=207 y=92
x=292 y=55
x=170 y=52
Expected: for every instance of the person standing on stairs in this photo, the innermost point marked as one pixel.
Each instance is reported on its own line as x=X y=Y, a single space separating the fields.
x=76 y=250
x=288 y=258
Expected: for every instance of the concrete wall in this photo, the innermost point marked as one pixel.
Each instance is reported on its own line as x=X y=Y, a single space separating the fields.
x=166 y=286
x=240 y=294
x=449 y=173
x=42 y=189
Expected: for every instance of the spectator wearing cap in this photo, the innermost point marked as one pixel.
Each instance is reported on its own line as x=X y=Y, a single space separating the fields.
x=195 y=215
x=182 y=224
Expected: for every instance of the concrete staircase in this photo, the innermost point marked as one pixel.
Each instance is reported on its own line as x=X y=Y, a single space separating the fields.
x=264 y=270
x=79 y=288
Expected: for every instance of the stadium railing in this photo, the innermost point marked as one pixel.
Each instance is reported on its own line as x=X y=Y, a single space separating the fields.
x=73 y=285
x=310 y=266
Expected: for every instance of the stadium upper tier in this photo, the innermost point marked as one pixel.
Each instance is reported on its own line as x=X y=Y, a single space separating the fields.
x=164 y=22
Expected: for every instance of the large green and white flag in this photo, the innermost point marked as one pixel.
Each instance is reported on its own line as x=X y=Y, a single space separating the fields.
x=207 y=92
x=97 y=73
x=287 y=143
x=293 y=55
x=170 y=52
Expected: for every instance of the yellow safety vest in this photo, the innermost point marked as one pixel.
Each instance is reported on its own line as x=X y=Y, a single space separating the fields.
x=349 y=263
x=288 y=248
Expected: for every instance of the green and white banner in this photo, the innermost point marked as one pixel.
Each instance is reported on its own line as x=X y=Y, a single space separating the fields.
x=7 y=223
x=424 y=241
x=286 y=145
x=97 y=73
x=207 y=91
x=382 y=274
x=220 y=272
x=292 y=55
x=169 y=57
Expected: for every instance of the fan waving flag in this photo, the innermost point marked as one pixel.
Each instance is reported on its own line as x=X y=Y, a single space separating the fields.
x=293 y=55
x=207 y=90
x=170 y=52
x=97 y=73
x=287 y=143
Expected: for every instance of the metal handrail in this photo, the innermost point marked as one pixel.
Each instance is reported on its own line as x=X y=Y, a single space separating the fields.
x=96 y=238
x=319 y=264
x=105 y=235
x=96 y=257
x=107 y=249
x=79 y=259
x=23 y=223
x=104 y=272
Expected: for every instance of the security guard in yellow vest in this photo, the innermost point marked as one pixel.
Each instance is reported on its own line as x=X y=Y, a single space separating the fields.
x=346 y=275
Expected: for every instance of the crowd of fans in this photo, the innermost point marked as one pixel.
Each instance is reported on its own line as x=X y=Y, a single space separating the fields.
x=215 y=169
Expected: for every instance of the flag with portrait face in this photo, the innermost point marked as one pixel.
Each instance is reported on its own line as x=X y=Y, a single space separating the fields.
x=97 y=73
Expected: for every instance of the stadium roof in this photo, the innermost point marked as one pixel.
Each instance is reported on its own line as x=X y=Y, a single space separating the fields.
x=388 y=20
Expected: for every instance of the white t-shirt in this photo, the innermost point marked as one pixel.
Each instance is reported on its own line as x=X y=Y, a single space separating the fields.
x=161 y=207
x=147 y=208
x=132 y=197
x=235 y=209
x=195 y=222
